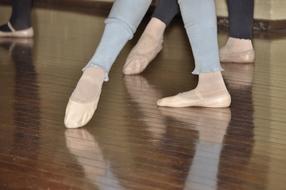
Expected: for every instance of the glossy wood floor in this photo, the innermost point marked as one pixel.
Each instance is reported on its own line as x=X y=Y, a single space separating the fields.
x=131 y=143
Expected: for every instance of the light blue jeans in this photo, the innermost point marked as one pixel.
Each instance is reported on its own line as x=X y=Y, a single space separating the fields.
x=199 y=18
x=121 y=24
x=200 y=22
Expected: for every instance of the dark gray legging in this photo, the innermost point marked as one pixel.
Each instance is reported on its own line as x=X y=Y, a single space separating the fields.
x=240 y=15
x=166 y=10
x=240 y=18
x=21 y=14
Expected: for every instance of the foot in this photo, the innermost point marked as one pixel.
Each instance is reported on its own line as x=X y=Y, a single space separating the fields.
x=210 y=92
x=238 y=51
x=147 y=48
x=84 y=99
x=7 y=30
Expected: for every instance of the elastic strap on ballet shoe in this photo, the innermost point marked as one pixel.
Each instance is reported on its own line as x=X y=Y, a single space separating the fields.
x=11 y=27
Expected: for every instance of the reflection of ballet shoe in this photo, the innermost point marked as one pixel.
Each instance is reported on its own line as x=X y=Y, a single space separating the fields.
x=10 y=43
x=26 y=33
x=210 y=123
x=238 y=74
x=207 y=116
x=138 y=86
x=145 y=96
x=87 y=152
x=76 y=137
x=139 y=58
x=16 y=47
x=237 y=57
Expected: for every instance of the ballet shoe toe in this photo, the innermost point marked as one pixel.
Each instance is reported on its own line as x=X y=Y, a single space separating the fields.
x=166 y=102
x=78 y=114
x=175 y=101
x=133 y=67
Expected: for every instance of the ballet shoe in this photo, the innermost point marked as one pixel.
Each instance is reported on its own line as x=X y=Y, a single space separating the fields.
x=26 y=33
x=79 y=114
x=238 y=51
x=195 y=99
x=138 y=59
x=81 y=106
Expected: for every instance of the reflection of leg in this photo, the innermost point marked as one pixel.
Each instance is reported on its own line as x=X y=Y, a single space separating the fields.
x=150 y=43
x=27 y=110
x=20 y=21
x=12 y=44
x=204 y=169
x=145 y=95
x=202 y=33
x=120 y=26
x=239 y=46
x=238 y=75
x=89 y=155
x=211 y=125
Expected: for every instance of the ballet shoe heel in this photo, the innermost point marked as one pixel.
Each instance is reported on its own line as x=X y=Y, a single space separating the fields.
x=26 y=33
x=250 y=58
x=221 y=102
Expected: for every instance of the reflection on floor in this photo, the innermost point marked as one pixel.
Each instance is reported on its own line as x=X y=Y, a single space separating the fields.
x=131 y=143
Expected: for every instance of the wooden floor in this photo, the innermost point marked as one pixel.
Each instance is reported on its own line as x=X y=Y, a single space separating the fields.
x=131 y=143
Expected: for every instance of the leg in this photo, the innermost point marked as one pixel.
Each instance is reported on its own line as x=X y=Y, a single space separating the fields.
x=19 y=24
x=200 y=22
x=120 y=27
x=150 y=43
x=240 y=18
x=239 y=46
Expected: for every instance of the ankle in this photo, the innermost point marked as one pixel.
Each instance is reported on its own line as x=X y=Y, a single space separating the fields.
x=95 y=73
x=211 y=82
x=155 y=28
x=20 y=24
x=207 y=77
